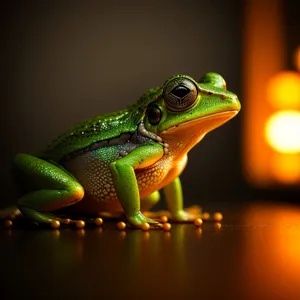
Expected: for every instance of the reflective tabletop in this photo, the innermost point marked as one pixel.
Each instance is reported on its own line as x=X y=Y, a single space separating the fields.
x=253 y=254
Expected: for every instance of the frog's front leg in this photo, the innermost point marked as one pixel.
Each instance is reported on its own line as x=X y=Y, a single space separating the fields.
x=174 y=199
x=48 y=187
x=123 y=173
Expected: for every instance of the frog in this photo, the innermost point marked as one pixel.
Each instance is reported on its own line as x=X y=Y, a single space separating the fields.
x=118 y=163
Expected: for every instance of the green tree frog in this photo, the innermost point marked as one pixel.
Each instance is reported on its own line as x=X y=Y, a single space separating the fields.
x=118 y=162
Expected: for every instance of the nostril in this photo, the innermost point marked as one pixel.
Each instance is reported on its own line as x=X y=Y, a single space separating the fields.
x=223 y=97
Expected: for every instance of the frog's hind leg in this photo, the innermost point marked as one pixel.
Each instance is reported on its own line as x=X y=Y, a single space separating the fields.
x=48 y=188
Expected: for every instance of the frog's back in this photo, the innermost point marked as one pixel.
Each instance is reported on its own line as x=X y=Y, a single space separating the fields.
x=97 y=129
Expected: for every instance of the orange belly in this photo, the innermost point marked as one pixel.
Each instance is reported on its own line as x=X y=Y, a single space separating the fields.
x=100 y=194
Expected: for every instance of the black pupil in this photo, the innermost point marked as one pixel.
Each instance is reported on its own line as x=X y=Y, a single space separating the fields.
x=180 y=91
x=154 y=114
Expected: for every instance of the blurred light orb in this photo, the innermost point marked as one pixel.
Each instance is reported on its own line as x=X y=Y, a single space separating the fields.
x=283 y=90
x=283 y=131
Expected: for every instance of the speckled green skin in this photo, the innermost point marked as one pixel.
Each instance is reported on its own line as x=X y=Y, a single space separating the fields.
x=103 y=127
x=118 y=162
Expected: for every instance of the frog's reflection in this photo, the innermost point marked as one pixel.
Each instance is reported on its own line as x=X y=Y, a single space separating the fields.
x=271 y=253
x=156 y=254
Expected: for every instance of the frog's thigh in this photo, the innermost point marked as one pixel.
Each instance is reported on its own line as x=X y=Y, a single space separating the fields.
x=150 y=201
x=54 y=188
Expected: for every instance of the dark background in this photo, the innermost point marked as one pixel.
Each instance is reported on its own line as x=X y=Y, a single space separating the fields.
x=64 y=62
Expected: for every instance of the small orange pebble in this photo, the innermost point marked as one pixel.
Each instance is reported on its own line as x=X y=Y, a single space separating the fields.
x=121 y=225
x=198 y=222
x=218 y=217
x=167 y=227
x=164 y=219
x=205 y=216
x=8 y=223
x=98 y=221
x=80 y=224
x=145 y=226
x=67 y=221
x=55 y=224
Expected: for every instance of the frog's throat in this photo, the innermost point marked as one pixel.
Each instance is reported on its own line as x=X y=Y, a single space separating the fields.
x=198 y=127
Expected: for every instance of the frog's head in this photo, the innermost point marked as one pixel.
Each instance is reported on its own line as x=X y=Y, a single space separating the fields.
x=184 y=109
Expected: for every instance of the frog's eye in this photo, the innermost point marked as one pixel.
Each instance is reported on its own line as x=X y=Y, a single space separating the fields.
x=180 y=94
x=214 y=79
x=154 y=114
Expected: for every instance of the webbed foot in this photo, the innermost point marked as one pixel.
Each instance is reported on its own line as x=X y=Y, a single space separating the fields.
x=56 y=220
x=139 y=219
x=183 y=216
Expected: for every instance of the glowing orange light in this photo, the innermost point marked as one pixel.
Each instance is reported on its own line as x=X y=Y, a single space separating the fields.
x=285 y=168
x=283 y=90
x=283 y=131
x=271 y=137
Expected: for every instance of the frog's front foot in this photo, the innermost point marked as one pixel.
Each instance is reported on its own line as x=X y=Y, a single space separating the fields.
x=138 y=219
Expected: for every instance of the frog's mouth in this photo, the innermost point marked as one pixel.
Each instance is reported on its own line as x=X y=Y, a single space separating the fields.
x=198 y=127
